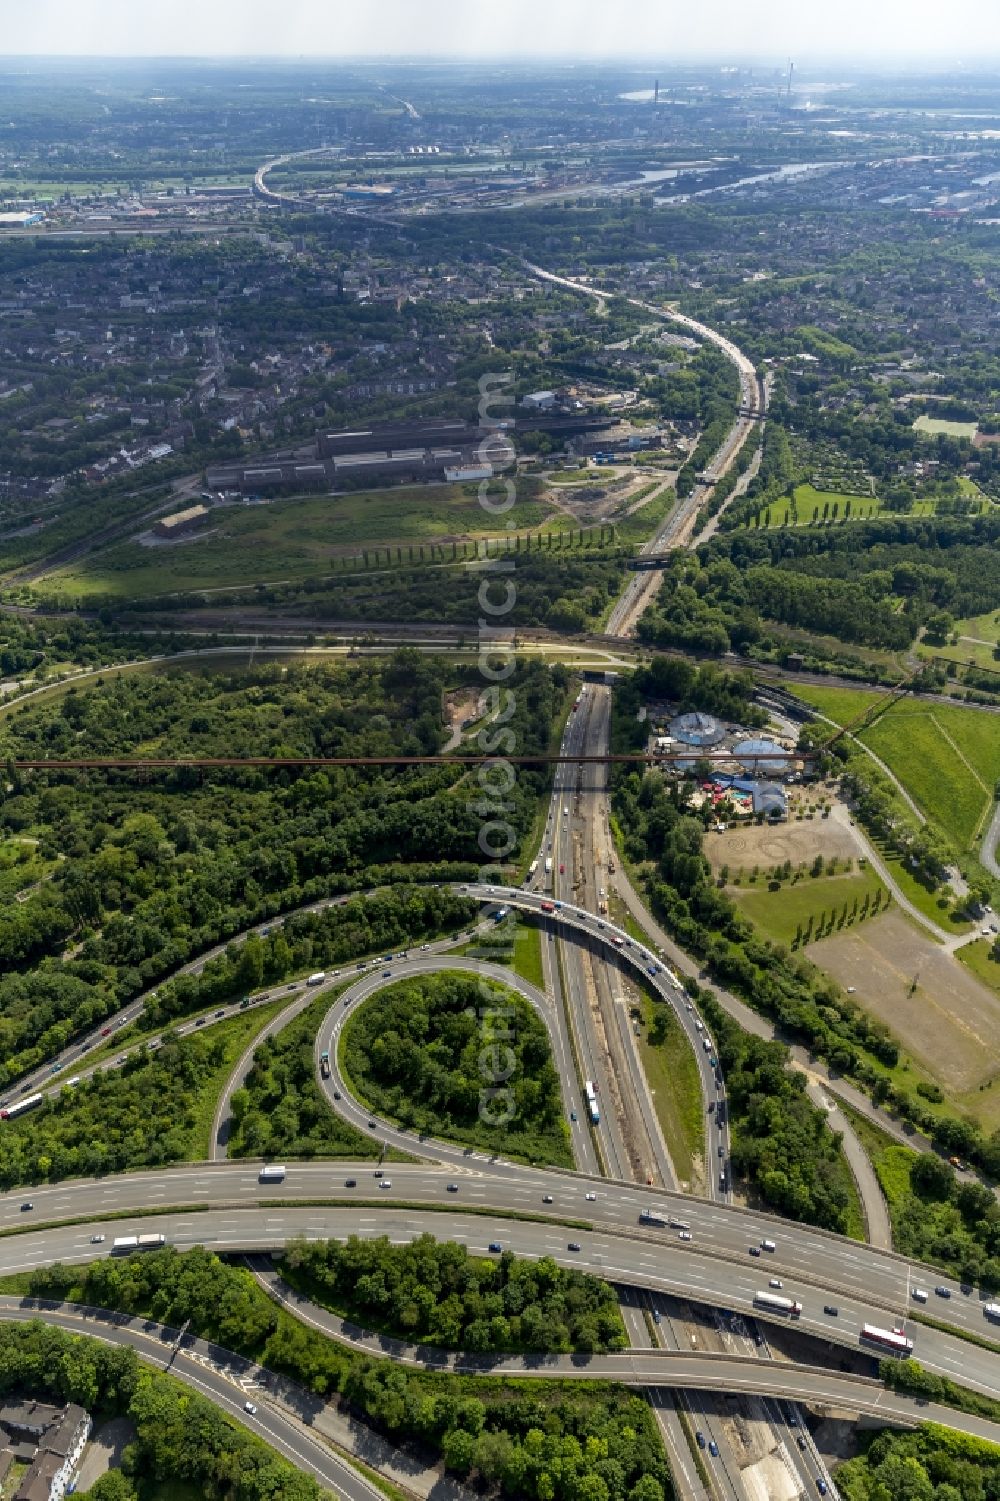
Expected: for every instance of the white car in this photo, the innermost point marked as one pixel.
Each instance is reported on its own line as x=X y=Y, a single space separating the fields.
x=250 y=1407
x=684 y=1235
x=386 y=1183
x=97 y=1240
x=591 y=1197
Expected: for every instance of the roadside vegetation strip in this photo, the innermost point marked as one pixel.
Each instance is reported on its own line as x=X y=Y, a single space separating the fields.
x=932 y=1459
x=429 y=1292
x=459 y=1417
x=281 y=1110
x=153 y=1109
x=936 y=1218
x=672 y=1073
x=177 y=1435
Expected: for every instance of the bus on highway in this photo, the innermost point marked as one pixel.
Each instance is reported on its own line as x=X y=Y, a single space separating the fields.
x=9 y=1111
x=893 y=1340
x=591 y=1093
x=124 y=1245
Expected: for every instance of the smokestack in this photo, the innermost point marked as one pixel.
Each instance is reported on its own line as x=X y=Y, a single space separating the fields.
x=788 y=91
x=656 y=92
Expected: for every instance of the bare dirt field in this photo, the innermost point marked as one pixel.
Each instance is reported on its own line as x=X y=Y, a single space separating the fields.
x=949 y=1021
x=743 y=846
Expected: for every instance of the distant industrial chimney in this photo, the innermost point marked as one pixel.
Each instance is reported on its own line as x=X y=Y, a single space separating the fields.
x=788 y=91
x=656 y=92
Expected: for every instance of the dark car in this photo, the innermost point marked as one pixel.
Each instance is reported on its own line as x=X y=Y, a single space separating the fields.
x=821 y=1485
x=200 y=1022
x=713 y=1448
x=700 y=1438
x=27 y=1205
x=221 y=1012
x=831 y=1309
x=453 y=1188
x=495 y=1246
x=943 y=1292
x=546 y=1198
x=350 y=1182
x=755 y=1250
x=574 y=1245
x=371 y=1125
x=801 y=1440
x=336 y=1094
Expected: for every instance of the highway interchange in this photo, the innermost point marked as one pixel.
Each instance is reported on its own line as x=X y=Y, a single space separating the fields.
x=591 y=966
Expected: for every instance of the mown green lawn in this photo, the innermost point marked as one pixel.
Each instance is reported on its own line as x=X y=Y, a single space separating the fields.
x=948 y=758
x=976 y=956
x=788 y=912
x=672 y=1075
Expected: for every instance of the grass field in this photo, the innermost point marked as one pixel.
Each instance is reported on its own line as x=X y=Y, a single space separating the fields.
x=947 y=758
x=297 y=539
x=891 y=1161
x=817 y=904
x=935 y=425
x=976 y=957
x=525 y=959
x=672 y=1074
x=841 y=506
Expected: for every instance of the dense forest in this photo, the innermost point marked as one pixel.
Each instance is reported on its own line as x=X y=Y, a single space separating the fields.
x=433 y=1292
x=461 y=1057
x=868 y=583
x=543 y=1440
x=781 y=1144
x=177 y=1435
x=145 y=874
x=933 y=1464
x=146 y=1113
x=280 y=1112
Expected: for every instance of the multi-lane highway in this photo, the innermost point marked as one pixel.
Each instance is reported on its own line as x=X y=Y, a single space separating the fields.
x=666 y=1268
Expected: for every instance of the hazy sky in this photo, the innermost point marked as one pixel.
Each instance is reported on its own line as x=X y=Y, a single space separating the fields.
x=904 y=30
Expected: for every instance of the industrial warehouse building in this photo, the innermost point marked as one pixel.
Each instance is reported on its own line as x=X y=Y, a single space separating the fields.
x=180 y=522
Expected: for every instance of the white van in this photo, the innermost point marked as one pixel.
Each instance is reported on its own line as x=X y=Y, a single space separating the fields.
x=918 y=1294
x=767 y=1245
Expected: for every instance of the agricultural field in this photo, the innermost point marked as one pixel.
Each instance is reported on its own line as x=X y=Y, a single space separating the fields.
x=811 y=907
x=948 y=759
x=947 y=1020
x=296 y=538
